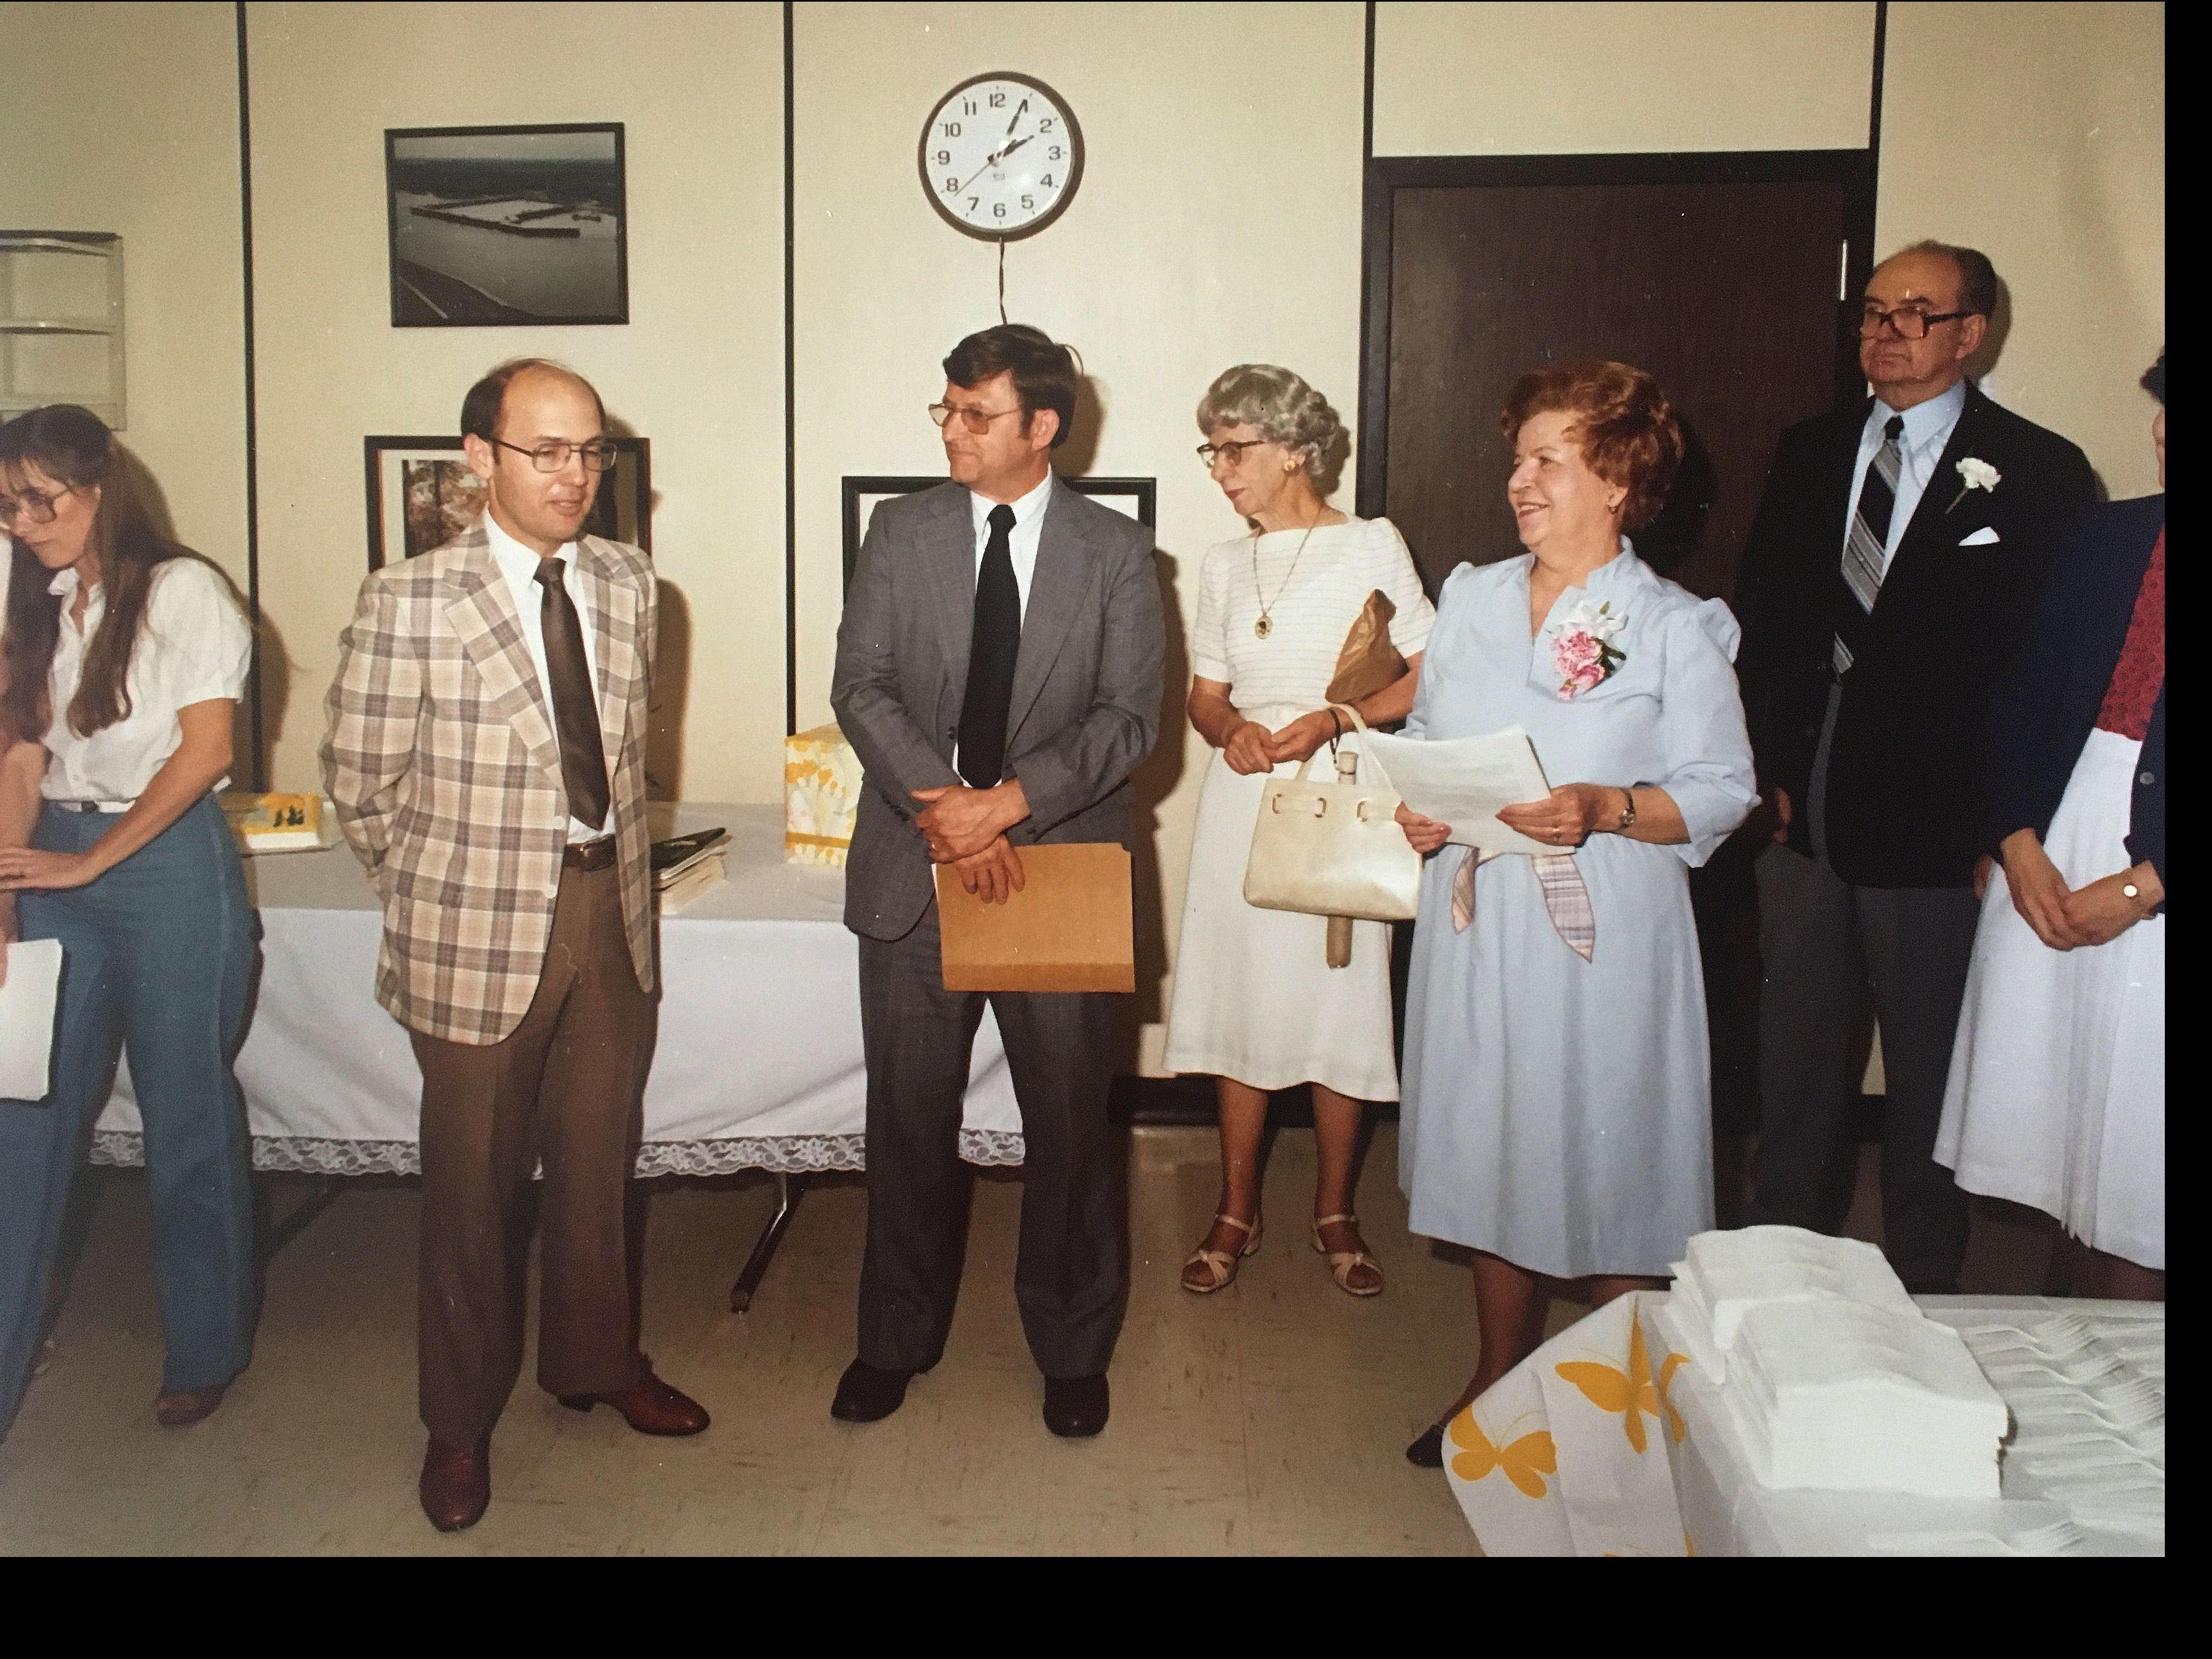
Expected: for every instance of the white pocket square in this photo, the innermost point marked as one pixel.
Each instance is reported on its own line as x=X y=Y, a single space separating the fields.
x=1981 y=537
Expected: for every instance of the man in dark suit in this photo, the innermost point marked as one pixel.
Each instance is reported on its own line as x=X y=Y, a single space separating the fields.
x=999 y=675
x=1897 y=554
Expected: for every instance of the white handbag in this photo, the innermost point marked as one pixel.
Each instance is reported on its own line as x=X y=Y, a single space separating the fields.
x=1329 y=849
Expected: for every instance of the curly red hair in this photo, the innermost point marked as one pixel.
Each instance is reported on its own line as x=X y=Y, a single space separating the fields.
x=1623 y=422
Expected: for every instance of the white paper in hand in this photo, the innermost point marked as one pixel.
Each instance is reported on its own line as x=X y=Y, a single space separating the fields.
x=27 y=1019
x=1462 y=781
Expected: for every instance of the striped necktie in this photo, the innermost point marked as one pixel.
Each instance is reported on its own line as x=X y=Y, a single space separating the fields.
x=1863 y=547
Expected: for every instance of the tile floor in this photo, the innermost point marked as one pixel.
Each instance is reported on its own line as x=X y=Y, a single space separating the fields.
x=1268 y=1419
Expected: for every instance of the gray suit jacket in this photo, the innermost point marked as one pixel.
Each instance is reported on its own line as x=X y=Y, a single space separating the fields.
x=1086 y=700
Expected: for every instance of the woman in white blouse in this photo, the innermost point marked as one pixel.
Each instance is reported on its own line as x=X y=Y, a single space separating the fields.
x=122 y=656
x=1256 y=1004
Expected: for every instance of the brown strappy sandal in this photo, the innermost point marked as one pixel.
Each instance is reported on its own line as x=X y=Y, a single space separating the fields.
x=1341 y=1262
x=1220 y=1264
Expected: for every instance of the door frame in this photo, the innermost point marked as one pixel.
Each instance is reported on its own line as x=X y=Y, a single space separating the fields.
x=1387 y=175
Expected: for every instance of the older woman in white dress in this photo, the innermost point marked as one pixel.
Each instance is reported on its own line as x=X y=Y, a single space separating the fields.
x=1557 y=1104
x=1256 y=1003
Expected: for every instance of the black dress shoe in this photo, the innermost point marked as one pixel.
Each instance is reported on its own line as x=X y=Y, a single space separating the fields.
x=1075 y=1406
x=1427 y=1451
x=867 y=1394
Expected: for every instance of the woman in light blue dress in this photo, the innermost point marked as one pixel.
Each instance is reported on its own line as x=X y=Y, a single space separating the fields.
x=1557 y=1114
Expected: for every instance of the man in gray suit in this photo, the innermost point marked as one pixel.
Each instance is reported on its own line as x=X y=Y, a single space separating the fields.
x=999 y=676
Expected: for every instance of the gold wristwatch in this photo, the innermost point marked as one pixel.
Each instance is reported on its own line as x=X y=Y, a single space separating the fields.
x=1627 y=813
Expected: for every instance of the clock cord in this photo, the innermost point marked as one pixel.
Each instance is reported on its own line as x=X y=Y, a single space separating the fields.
x=1002 y=282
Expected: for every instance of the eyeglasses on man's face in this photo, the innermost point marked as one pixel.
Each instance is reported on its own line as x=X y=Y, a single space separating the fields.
x=977 y=421
x=552 y=456
x=1232 y=451
x=1906 y=322
x=33 y=505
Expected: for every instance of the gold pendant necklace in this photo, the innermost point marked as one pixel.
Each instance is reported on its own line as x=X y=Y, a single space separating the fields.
x=1265 y=625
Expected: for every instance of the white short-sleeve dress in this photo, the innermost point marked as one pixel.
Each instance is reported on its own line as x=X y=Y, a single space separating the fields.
x=1254 y=998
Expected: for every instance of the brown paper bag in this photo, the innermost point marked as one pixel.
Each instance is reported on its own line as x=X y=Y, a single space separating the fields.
x=1070 y=928
x=1369 y=661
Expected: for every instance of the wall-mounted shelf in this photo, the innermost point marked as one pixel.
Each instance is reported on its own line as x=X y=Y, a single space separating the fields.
x=61 y=321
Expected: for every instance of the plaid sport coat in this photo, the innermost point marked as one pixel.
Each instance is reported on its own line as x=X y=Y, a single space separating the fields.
x=440 y=756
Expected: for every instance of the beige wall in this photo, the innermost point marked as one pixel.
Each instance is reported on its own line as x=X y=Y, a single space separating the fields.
x=2038 y=134
x=1546 y=80
x=124 y=118
x=1217 y=222
x=698 y=369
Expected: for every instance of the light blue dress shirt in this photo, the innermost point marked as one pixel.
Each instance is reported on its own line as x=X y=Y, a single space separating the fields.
x=1926 y=428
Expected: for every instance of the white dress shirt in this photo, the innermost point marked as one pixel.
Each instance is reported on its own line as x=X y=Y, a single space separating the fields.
x=1926 y=428
x=1021 y=540
x=193 y=645
x=519 y=566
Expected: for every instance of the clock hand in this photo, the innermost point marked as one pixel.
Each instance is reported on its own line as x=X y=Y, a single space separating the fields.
x=1010 y=149
x=1019 y=111
x=989 y=162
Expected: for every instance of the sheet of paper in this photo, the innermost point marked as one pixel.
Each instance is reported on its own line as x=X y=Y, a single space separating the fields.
x=27 y=1018
x=1462 y=781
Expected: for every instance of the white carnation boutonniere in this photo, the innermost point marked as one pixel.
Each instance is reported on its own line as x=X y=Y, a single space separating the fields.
x=1582 y=648
x=1975 y=473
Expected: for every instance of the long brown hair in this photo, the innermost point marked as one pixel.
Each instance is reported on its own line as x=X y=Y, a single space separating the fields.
x=73 y=446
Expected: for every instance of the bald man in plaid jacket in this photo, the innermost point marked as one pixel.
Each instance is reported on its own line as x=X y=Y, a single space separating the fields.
x=486 y=755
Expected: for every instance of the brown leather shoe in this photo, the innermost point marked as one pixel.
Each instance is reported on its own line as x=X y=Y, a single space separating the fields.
x=456 y=1485
x=180 y=1408
x=649 y=1406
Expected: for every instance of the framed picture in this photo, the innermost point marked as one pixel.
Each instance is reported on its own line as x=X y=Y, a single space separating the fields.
x=422 y=495
x=1133 y=498
x=505 y=226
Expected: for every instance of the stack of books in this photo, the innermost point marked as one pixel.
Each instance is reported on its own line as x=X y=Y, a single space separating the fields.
x=684 y=867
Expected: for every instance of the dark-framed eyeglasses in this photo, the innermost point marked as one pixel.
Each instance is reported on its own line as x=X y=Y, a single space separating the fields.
x=33 y=505
x=599 y=454
x=975 y=420
x=1232 y=451
x=1906 y=322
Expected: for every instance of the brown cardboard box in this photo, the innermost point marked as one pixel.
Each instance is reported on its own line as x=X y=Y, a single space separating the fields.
x=1070 y=928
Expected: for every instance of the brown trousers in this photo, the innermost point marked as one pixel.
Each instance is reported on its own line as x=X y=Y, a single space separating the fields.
x=564 y=1091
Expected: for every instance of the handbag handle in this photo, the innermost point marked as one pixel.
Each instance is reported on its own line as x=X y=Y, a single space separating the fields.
x=1365 y=758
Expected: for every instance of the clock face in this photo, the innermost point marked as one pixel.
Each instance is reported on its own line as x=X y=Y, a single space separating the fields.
x=1001 y=156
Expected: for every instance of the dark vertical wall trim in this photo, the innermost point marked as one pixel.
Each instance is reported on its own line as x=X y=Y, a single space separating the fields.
x=260 y=766
x=1374 y=291
x=1873 y=101
x=790 y=406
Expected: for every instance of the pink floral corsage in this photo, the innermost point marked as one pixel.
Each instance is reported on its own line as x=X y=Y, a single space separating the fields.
x=1583 y=649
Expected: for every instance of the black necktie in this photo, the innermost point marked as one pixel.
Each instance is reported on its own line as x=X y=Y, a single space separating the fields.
x=575 y=711
x=1869 y=534
x=991 y=654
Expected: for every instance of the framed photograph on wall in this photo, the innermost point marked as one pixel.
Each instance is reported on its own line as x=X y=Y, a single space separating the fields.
x=1133 y=498
x=422 y=495
x=505 y=226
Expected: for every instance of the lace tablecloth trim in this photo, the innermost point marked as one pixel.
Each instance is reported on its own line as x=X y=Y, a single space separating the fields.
x=782 y=1154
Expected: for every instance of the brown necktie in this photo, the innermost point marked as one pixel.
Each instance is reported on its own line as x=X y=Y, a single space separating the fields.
x=575 y=711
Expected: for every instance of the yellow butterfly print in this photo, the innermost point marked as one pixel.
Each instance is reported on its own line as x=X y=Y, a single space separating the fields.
x=1526 y=1461
x=1632 y=1392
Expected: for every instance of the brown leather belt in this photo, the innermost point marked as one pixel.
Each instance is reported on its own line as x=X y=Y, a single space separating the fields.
x=590 y=855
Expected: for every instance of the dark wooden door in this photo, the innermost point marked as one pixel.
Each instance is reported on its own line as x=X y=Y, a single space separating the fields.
x=1722 y=280
x=1720 y=274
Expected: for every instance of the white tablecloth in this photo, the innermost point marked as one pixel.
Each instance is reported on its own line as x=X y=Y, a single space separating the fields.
x=759 y=1060
x=1605 y=1442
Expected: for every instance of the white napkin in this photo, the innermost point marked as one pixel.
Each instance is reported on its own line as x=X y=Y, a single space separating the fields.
x=1725 y=1274
x=27 y=1019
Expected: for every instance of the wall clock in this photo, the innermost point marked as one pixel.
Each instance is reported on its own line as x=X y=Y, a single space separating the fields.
x=1001 y=157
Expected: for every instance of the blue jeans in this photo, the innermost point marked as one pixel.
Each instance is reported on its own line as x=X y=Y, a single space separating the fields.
x=157 y=960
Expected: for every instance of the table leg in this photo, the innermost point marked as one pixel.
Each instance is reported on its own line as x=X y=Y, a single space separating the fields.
x=756 y=1268
x=275 y=1234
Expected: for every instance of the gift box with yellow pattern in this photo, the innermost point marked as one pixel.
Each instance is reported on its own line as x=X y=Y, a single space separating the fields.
x=821 y=794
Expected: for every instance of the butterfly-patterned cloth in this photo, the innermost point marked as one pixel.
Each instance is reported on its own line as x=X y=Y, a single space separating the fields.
x=1566 y=900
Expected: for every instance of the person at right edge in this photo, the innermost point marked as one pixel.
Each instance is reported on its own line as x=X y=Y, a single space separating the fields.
x=1898 y=552
x=998 y=673
x=2057 y=1094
